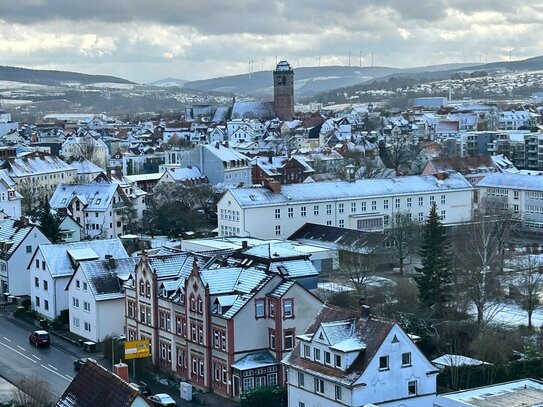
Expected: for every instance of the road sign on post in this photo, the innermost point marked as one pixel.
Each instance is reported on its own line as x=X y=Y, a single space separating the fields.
x=137 y=349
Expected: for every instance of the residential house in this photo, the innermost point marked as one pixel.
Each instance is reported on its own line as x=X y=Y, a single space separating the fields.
x=99 y=207
x=362 y=204
x=10 y=199
x=86 y=171
x=88 y=147
x=285 y=170
x=515 y=120
x=96 y=297
x=37 y=175
x=94 y=385
x=220 y=164
x=18 y=241
x=188 y=176
x=52 y=266
x=196 y=318
x=350 y=358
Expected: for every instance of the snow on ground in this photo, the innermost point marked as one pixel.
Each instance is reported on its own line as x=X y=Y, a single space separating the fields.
x=510 y=315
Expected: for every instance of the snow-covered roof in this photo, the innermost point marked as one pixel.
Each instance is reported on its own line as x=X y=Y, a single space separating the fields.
x=59 y=262
x=185 y=173
x=35 y=164
x=457 y=360
x=248 y=197
x=255 y=361
x=512 y=181
x=106 y=277
x=97 y=196
x=84 y=166
x=12 y=232
x=224 y=153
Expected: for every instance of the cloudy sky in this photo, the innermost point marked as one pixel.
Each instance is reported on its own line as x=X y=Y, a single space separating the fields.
x=147 y=40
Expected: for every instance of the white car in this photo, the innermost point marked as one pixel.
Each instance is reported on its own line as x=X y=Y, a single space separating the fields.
x=162 y=399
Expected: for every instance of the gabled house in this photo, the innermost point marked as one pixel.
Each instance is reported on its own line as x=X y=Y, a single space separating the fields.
x=94 y=386
x=10 y=199
x=96 y=297
x=285 y=170
x=52 y=266
x=18 y=241
x=353 y=358
x=196 y=318
x=187 y=176
x=99 y=207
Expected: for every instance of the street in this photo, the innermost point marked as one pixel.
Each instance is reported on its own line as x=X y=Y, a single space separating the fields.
x=20 y=360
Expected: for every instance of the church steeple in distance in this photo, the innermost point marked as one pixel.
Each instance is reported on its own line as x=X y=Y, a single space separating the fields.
x=283 y=91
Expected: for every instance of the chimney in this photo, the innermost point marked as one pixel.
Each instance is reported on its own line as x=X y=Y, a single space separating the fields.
x=275 y=186
x=121 y=370
x=349 y=173
x=364 y=309
x=217 y=145
x=226 y=144
x=244 y=244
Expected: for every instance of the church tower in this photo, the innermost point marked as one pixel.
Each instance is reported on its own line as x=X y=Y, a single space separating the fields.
x=283 y=91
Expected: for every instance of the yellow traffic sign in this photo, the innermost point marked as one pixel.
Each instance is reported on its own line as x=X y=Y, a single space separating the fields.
x=137 y=349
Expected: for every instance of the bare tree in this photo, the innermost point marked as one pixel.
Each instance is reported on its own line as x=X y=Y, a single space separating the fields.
x=33 y=193
x=529 y=282
x=480 y=253
x=399 y=151
x=357 y=274
x=34 y=392
x=403 y=237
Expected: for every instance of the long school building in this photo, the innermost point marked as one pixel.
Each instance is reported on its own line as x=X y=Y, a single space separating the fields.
x=369 y=204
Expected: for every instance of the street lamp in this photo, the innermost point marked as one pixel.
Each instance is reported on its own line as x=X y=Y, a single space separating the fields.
x=113 y=341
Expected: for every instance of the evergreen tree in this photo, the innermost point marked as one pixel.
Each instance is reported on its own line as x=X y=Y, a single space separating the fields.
x=49 y=224
x=435 y=281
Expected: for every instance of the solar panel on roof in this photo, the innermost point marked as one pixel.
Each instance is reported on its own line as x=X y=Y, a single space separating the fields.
x=82 y=254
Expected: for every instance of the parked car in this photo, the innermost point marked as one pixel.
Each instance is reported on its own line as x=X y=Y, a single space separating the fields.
x=78 y=363
x=142 y=387
x=163 y=400
x=39 y=338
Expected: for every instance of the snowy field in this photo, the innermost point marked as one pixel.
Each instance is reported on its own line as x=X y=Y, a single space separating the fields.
x=511 y=315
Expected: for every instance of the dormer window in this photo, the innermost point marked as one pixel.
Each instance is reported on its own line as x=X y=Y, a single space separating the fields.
x=307 y=351
x=327 y=357
x=337 y=361
x=317 y=354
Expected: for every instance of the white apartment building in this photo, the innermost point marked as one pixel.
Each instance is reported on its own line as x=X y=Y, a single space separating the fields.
x=347 y=358
x=522 y=193
x=368 y=204
x=96 y=298
x=52 y=266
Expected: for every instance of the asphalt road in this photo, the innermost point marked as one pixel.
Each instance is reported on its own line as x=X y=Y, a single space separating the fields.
x=19 y=359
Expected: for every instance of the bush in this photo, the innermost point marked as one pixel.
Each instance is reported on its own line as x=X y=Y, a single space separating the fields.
x=26 y=303
x=269 y=396
x=64 y=317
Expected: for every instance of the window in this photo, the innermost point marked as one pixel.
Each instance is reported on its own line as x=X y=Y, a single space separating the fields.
x=290 y=212
x=303 y=211
x=301 y=379
x=421 y=200
x=317 y=354
x=406 y=359
x=341 y=223
x=287 y=309
x=289 y=340
x=328 y=209
x=363 y=206
x=86 y=306
x=277 y=213
x=28 y=249
x=277 y=230
x=316 y=210
x=327 y=357
x=341 y=208
x=432 y=200
x=421 y=217
x=383 y=363
x=75 y=322
x=301 y=404
x=75 y=302
x=248 y=383
x=45 y=285
x=373 y=205
x=338 y=392
x=385 y=204
x=408 y=203
x=443 y=213
x=200 y=305
x=337 y=361
x=272 y=339
x=77 y=284
x=412 y=388
x=353 y=207
x=85 y=286
x=37 y=264
x=87 y=326
x=515 y=195
x=271 y=309
x=36 y=282
x=37 y=301
x=386 y=220
x=442 y=199
x=307 y=351
x=319 y=385
x=46 y=305
x=259 y=308
x=397 y=203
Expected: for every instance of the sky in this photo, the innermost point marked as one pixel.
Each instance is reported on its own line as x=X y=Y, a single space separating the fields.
x=144 y=41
